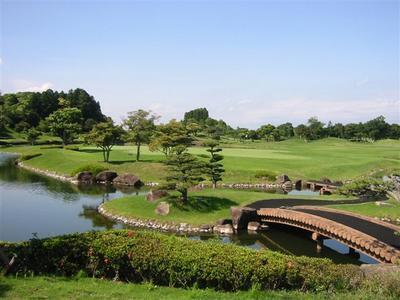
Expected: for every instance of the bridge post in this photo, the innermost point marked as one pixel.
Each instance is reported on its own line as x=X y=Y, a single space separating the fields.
x=319 y=239
x=241 y=216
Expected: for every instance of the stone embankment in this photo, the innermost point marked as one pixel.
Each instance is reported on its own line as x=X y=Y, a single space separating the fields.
x=157 y=225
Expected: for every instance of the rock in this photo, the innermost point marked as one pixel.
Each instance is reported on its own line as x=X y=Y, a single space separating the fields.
x=287 y=186
x=241 y=216
x=128 y=179
x=85 y=177
x=206 y=227
x=106 y=176
x=223 y=222
x=326 y=180
x=298 y=184
x=224 y=229
x=253 y=226
x=162 y=209
x=157 y=194
x=282 y=178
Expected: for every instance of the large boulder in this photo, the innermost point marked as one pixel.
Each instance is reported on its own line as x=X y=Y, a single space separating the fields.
x=85 y=177
x=241 y=216
x=128 y=179
x=157 y=194
x=162 y=209
x=106 y=176
x=282 y=178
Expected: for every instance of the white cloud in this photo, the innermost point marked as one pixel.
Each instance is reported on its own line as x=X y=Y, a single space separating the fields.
x=29 y=86
x=1 y=60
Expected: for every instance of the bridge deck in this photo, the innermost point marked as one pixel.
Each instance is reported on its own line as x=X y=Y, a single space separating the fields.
x=355 y=230
x=378 y=231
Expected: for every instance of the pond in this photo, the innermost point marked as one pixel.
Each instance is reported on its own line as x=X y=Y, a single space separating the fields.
x=35 y=205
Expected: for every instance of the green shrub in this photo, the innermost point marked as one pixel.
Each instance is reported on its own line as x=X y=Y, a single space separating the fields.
x=72 y=148
x=29 y=156
x=265 y=175
x=138 y=256
x=368 y=187
x=95 y=169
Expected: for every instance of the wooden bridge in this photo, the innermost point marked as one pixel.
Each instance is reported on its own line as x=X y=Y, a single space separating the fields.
x=372 y=237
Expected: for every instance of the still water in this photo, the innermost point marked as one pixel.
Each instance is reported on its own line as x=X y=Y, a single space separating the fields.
x=35 y=205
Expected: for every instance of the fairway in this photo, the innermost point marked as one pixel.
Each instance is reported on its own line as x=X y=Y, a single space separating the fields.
x=333 y=158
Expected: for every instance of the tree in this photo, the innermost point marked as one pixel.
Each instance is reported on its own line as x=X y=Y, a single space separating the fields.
x=302 y=132
x=140 y=127
x=65 y=123
x=185 y=171
x=105 y=135
x=169 y=136
x=198 y=115
x=316 y=128
x=377 y=128
x=214 y=167
x=32 y=135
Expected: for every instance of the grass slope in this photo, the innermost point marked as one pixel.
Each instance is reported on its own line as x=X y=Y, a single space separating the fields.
x=333 y=158
x=89 y=288
x=391 y=209
x=205 y=206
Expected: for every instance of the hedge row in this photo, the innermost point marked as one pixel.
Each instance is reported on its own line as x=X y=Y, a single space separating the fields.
x=175 y=261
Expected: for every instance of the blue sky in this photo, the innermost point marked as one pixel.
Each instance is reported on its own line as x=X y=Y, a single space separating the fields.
x=248 y=62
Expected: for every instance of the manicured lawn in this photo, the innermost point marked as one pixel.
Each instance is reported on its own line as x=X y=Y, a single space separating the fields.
x=205 y=206
x=333 y=158
x=391 y=210
x=89 y=288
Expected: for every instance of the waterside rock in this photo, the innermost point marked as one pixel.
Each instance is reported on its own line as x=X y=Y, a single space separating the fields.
x=128 y=179
x=106 y=176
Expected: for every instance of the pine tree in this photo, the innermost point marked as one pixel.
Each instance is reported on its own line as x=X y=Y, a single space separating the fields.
x=185 y=171
x=214 y=167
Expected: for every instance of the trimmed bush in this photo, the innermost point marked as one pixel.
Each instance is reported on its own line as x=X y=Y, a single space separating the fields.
x=93 y=168
x=138 y=256
x=28 y=156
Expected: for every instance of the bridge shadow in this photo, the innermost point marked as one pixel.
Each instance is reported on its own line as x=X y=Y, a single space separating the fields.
x=203 y=204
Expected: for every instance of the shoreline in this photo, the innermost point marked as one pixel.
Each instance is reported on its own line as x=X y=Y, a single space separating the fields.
x=156 y=225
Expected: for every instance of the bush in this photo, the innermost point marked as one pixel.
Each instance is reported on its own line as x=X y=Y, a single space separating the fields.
x=95 y=169
x=138 y=256
x=28 y=156
x=265 y=175
x=367 y=187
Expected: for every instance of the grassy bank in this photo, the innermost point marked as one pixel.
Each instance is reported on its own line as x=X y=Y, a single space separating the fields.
x=205 y=206
x=390 y=209
x=90 y=288
x=333 y=158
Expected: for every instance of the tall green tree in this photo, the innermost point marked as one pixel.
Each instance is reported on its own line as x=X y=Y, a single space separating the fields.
x=185 y=171
x=140 y=126
x=65 y=123
x=105 y=135
x=32 y=135
x=198 y=115
x=214 y=167
x=170 y=135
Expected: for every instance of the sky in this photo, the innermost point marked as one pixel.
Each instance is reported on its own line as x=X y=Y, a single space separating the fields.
x=248 y=62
